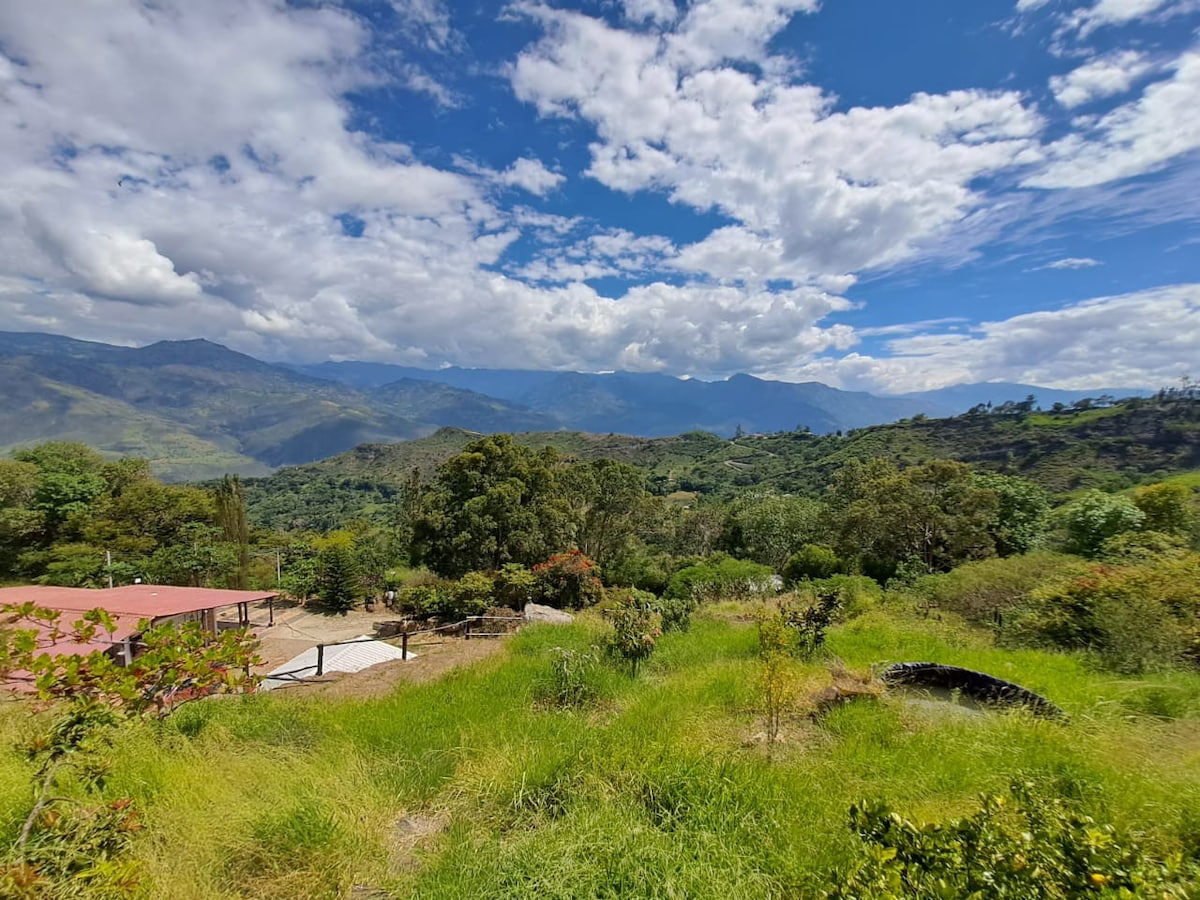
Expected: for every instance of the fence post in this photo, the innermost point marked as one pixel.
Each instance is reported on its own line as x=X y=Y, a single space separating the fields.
x=404 y=645
x=320 y=659
x=467 y=628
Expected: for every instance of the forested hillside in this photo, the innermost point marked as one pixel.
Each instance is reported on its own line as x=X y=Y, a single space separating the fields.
x=1108 y=446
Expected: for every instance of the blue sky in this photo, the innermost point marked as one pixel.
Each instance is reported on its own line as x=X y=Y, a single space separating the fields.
x=875 y=194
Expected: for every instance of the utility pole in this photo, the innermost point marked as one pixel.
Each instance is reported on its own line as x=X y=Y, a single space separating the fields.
x=108 y=565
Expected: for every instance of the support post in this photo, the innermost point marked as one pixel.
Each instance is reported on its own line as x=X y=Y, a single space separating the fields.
x=467 y=629
x=404 y=644
x=320 y=659
x=270 y=611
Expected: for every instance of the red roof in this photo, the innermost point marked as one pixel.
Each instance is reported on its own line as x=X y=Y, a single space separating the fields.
x=144 y=601
x=128 y=605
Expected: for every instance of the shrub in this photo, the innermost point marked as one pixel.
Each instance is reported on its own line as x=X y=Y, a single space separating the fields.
x=568 y=581
x=1133 y=617
x=636 y=630
x=1094 y=518
x=515 y=586
x=811 y=561
x=989 y=588
x=856 y=594
x=1022 y=846
x=720 y=578
x=810 y=622
x=451 y=600
x=471 y=595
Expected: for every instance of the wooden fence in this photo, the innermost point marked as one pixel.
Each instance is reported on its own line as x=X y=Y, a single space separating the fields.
x=405 y=636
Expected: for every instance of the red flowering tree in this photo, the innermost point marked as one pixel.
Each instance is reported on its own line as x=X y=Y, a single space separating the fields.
x=568 y=581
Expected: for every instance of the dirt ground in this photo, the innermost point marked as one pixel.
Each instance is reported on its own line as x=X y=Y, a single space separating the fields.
x=296 y=629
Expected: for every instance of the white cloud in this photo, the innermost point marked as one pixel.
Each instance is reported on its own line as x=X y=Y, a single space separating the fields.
x=1121 y=12
x=1103 y=77
x=814 y=192
x=1133 y=340
x=1138 y=137
x=207 y=175
x=531 y=175
x=429 y=22
x=660 y=11
x=1071 y=262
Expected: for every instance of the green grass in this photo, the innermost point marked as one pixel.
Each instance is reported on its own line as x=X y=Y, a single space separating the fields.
x=659 y=790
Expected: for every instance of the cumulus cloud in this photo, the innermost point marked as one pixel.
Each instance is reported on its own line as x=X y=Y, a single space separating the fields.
x=531 y=175
x=1103 y=77
x=219 y=177
x=661 y=11
x=1137 y=137
x=815 y=192
x=1134 y=340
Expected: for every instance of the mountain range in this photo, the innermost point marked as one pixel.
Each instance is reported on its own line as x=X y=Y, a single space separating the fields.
x=197 y=409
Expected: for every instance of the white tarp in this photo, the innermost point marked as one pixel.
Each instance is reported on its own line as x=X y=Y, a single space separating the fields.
x=355 y=657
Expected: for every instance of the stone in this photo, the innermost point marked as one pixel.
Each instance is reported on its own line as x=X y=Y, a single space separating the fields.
x=535 y=612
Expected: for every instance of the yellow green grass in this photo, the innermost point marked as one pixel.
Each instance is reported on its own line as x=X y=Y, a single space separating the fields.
x=473 y=787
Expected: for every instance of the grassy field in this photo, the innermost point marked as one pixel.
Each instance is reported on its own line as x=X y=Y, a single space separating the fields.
x=472 y=786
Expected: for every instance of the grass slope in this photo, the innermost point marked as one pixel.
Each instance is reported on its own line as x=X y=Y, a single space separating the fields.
x=468 y=787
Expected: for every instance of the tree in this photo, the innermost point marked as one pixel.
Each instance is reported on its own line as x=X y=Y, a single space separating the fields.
x=1094 y=518
x=231 y=519
x=1166 y=507
x=768 y=528
x=933 y=513
x=1022 y=513
x=608 y=500
x=811 y=561
x=495 y=503
x=337 y=573
x=72 y=844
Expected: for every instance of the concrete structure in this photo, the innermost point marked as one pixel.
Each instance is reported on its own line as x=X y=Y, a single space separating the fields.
x=132 y=605
x=347 y=656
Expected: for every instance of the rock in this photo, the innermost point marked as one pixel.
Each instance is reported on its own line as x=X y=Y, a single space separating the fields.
x=535 y=612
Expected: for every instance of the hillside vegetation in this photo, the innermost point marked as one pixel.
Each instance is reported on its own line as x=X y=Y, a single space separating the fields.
x=716 y=720
x=1124 y=444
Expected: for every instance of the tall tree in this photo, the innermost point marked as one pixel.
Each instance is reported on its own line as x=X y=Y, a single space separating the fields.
x=231 y=519
x=608 y=500
x=495 y=503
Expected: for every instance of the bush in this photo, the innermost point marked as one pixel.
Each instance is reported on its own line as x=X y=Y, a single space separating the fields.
x=984 y=590
x=812 y=621
x=811 y=561
x=568 y=581
x=515 y=586
x=1133 y=617
x=636 y=630
x=1025 y=846
x=856 y=594
x=720 y=578
x=1094 y=518
x=450 y=600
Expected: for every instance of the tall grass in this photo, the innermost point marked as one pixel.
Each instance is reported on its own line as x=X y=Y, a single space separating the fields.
x=658 y=790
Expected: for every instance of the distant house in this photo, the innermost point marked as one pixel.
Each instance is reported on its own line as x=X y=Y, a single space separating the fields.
x=131 y=605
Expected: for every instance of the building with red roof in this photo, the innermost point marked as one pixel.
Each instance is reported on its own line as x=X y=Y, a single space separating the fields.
x=133 y=604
